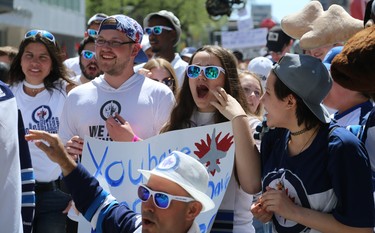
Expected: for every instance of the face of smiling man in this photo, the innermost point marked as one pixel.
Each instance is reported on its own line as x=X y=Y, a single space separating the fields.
x=114 y=60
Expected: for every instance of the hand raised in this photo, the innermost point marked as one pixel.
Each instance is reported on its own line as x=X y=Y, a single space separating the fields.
x=227 y=105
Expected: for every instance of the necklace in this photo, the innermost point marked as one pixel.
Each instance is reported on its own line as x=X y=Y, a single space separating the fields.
x=32 y=86
x=299 y=132
x=312 y=135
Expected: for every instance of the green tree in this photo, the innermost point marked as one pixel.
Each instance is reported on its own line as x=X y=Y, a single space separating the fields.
x=195 y=22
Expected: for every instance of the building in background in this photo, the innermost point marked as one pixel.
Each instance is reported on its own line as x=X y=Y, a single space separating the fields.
x=65 y=19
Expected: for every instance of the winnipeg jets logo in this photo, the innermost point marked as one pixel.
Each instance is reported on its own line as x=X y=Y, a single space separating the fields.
x=212 y=150
x=169 y=163
x=41 y=114
x=109 y=108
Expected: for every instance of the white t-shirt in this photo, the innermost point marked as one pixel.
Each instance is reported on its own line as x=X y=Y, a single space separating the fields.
x=76 y=79
x=144 y=103
x=73 y=65
x=179 y=67
x=41 y=112
x=10 y=174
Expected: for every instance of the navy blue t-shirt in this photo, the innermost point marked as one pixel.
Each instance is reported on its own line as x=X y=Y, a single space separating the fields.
x=332 y=176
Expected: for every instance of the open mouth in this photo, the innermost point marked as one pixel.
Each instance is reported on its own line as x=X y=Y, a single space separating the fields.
x=92 y=68
x=202 y=91
x=147 y=223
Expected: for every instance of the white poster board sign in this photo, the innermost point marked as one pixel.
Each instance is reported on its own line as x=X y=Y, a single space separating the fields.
x=245 y=24
x=115 y=164
x=245 y=38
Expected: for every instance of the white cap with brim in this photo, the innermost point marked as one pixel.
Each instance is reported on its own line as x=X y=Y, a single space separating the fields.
x=97 y=18
x=308 y=78
x=188 y=173
x=262 y=67
x=188 y=52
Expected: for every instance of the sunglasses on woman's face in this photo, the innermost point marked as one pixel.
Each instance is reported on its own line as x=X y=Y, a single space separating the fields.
x=167 y=81
x=210 y=72
x=42 y=33
x=161 y=200
x=88 y=55
x=157 y=30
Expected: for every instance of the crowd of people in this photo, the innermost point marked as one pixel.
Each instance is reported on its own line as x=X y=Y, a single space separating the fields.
x=302 y=119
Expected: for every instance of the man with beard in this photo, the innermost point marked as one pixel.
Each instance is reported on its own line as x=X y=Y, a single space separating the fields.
x=92 y=30
x=172 y=198
x=164 y=30
x=87 y=61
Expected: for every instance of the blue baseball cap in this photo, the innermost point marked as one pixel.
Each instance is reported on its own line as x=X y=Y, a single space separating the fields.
x=330 y=55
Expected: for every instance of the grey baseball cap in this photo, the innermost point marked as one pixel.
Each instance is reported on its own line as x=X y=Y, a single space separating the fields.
x=308 y=78
x=170 y=17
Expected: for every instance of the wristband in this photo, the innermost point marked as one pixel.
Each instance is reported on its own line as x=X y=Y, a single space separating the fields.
x=241 y=115
x=135 y=138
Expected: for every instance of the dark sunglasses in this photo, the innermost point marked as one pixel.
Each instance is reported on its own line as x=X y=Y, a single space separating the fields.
x=157 y=30
x=211 y=72
x=42 y=33
x=161 y=200
x=92 y=32
x=88 y=55
x=167 y=81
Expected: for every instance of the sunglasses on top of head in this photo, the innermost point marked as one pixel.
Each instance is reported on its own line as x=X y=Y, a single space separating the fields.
x=161 y=200
x=157 y=30
x=88 y=55
x=42 y=33
x=210 y=72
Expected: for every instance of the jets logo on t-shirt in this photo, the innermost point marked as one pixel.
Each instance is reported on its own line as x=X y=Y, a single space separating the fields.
x=109 y=108
x=43 y=119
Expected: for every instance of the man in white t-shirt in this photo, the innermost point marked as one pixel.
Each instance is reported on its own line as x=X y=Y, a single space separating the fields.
x=87 y=61
x=92 y=30
x=106 y=107
x=109 y=105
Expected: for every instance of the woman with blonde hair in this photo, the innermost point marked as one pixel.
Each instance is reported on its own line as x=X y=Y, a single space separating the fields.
x=252 y=87
x=161 y=70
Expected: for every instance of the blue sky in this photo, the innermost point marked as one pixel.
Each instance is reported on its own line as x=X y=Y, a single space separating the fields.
x=281 y=8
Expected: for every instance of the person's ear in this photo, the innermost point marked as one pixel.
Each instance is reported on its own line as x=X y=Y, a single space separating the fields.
x=136 y=49
x=194 y=209
x=291 y=101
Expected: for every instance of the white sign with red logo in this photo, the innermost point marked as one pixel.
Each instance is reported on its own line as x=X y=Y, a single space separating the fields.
x=115 y=164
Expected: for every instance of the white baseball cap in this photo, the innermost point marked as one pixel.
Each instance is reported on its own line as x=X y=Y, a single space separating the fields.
x=262 y=67
x=187 y=172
